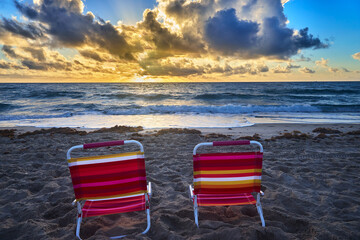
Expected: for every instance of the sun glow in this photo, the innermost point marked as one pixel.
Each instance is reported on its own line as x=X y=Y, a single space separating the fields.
x=142 y=79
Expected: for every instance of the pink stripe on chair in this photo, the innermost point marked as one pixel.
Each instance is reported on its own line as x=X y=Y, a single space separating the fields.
x=102 y=144
x=225 y=199
x=231 y=143
x=97 y=184
x=225 y=157
x=106 y=207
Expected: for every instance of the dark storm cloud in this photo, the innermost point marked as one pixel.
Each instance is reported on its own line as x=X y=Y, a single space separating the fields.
x=59 y=65
x=9 y=65
x=226 y=33
x=28 y=11
x=36 y=53
x=34 y=65
x=71 y=28
x=25 y=30
x=5 y=65
x=9 y=51
x=91 y=54
x=306 y=40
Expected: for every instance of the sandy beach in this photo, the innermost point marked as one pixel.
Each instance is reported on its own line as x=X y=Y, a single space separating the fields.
x=310 y=180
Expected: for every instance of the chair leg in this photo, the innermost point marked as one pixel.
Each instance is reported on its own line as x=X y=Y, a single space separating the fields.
x=194 y=199
x=259 y=209
x=196 y=213
x=148 y=221
x=79 y=219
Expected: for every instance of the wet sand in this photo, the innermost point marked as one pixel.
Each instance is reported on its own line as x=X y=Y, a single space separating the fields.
x=310 y=180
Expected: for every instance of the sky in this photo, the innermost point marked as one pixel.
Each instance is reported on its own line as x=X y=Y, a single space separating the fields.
x=179 y=40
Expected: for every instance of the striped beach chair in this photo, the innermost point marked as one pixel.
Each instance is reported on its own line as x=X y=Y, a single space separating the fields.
x=224 y=179
x=109 y=184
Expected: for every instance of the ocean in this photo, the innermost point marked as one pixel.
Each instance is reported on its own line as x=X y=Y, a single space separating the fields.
x=180 y=105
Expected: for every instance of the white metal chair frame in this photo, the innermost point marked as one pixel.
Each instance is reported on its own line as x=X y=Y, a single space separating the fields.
x=193 y=197
x=80 y=204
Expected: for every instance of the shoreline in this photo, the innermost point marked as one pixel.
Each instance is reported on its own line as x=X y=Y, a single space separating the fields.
x=310 y=180
x=263 y=129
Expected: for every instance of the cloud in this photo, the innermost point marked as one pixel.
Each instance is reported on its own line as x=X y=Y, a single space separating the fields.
x=280 y=69
x=31 y=30
x=34 y=65
x=9 y=65
x=28 y=11
x=36 y=52
x=323 y=62
x=92 y=55
x=247 y=29
x=20 y=52
x=306 y=70
x=293 y=66
x=247 y=68
x=283 y=2
x=334 y=70
x=34 y=58
x=175 y=38
x=70 y=28
x=173 y=66
x=356 y=56
x=286 y=69
x=165 y=40
x=263 y=68
x=282 y=42
x=302 y=58
x=9 y=51
x=226 y=33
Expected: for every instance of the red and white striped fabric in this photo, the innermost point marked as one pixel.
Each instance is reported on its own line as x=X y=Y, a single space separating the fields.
x=225 y=199
x=105 y=207
x=110 y=183
x=227 y=178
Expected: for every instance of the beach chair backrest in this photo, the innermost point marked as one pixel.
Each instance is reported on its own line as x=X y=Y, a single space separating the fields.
x=227 y=173
x=108 y=176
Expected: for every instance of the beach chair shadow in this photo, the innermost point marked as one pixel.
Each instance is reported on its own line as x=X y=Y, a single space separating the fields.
x=225 y=179
x=109 y=184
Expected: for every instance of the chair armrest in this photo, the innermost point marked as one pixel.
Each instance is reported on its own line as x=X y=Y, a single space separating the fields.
x=149 y=189
x=102 y=144
x=191 y=193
